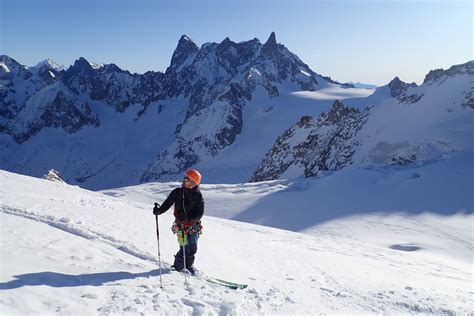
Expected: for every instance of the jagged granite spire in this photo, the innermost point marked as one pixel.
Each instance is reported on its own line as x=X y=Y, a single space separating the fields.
x=81 y=67
x=270 y=46
x=186 y=48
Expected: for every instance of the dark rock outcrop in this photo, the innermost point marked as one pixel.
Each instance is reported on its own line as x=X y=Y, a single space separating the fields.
x=314 y=144
x=398 y=87
x=439 y=74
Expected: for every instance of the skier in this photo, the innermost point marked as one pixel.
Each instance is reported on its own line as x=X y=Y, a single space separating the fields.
x=188 y=210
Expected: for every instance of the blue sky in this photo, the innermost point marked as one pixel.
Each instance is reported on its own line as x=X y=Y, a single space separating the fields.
x=349 y=40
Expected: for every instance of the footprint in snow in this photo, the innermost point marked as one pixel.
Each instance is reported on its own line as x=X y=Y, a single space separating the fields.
x=90 y=296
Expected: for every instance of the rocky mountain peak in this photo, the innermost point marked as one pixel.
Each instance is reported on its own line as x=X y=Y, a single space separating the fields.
x=271 y=41
x=49 y=64
x=80 y=66
x=186 y=48
x=227 y=42
x=48 y=70
x=398 y=87
x=270 y=47
x=436 y=74
x=6 y=62
x=81 y=69
x=82 y=63
x=111 y=68
x=10 y=65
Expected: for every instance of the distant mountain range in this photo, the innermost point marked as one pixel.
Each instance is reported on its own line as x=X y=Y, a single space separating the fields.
x=219 y=107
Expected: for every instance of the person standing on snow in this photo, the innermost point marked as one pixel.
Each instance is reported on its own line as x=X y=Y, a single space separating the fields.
x=188 y=211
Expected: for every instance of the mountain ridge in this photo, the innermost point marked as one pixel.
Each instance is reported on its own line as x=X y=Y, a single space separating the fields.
x=190 y=114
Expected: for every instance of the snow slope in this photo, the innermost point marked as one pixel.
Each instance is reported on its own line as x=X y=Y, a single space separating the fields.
x=264 y=119
x=67 y=250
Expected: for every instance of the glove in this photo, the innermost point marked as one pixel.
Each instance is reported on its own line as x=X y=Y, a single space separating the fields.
x=156 y=209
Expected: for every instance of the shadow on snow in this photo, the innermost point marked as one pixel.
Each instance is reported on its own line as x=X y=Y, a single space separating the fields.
x=55 y=279
x=309 y=202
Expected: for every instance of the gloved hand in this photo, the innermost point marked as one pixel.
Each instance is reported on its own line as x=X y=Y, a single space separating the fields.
x=156 y=209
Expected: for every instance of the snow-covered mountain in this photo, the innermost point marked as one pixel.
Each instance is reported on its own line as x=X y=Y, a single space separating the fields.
x=219 y=107
x=415 y=125
x=177 y=119
x=48 y=70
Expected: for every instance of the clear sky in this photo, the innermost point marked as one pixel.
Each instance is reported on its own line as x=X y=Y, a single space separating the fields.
x=349 y=40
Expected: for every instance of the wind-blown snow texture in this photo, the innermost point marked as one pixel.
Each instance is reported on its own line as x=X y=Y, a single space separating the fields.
x=67 y=250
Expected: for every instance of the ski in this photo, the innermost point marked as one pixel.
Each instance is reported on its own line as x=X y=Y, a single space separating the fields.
x=231 y=285
x=228 y=284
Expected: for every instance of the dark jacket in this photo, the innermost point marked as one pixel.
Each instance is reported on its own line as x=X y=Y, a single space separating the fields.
x=188 y=205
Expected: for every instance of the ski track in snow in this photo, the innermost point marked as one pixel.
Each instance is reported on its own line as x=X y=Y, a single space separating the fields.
x=65 y=225
x=124 y=298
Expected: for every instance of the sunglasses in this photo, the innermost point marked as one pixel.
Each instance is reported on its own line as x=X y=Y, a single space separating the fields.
x=186 y=179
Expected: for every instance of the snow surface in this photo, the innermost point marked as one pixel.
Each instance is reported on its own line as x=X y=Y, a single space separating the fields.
x=431 y=128
x=49 y=63
x=95 y=65
x=66 y=250
x=4 y=67
x=335 y=92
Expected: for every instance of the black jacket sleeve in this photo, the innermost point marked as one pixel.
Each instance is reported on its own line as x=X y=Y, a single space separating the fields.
x=168 y=202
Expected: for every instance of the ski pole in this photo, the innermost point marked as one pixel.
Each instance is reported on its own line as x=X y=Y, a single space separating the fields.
x=158 y=239
x=184 y=257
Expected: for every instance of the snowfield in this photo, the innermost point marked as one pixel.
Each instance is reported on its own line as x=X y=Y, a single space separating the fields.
x=66 y=250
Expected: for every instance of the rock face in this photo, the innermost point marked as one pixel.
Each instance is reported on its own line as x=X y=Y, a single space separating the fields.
x=314 y=144
x=38 y=97
x=59 y=109
x=17 y=83
x=440 y=74
x=398 y=87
